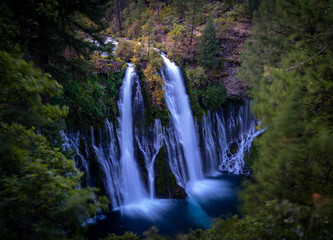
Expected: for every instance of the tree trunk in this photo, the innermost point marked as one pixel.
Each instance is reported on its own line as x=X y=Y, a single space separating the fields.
x=148 y=46
x=158 y=10
x=118 y=15
x=192 y=30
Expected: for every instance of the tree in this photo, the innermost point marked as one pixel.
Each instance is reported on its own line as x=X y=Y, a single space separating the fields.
x=208 y=46
x=288 y=65
x=155 y=83
x=48 y=28
x=251 y=6
x=148 y=30
x=179 y=8
x=53 y=34
x=194 y=9
x=156 y=5
x=39 y=198
x=140 y=8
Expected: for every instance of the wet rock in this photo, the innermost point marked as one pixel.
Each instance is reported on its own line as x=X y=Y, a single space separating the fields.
x=165 y=182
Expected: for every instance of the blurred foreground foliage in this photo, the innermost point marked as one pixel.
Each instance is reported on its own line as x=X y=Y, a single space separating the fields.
x=39 y=198
x=43 y=51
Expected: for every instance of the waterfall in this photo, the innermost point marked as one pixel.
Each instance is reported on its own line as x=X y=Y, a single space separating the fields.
x=231 y=132
x=81 y=160
x=148 y=139
x=183 y=125
x=226 y=136
x=108 y=158
x=175 y=155
x=120 y=172
x=210 y=148
x=133 y=189
x=150 y=149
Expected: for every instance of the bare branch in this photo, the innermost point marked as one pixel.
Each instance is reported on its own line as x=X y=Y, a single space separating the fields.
x=318 y=53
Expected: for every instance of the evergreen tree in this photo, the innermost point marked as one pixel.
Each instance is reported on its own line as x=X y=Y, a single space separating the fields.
x=53 y=34
x=46 y=29
x=289 y=65
x=194 y=12
x=39 y=198
x=251 y=6
x=208 y=46
x=140 y=8
x=179 y=8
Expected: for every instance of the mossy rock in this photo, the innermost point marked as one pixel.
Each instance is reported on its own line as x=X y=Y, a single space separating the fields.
x=250 y=157
x=165 y=182
x=234 y=98
x=234 y=148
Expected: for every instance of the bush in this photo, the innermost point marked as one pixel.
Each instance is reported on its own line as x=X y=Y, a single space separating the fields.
x=140 y=54
x=223 y=24
x=133 y=30
x=196 y=76
x=213 y=96
x=125 y=50
x=126 y=236
x=156 y=60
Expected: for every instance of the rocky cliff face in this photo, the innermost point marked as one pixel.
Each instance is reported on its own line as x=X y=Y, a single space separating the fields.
x=232 y=44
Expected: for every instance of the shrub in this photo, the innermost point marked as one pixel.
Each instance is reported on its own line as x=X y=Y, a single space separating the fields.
x=213 y=96
x=223 y=24
x=156 y=60
x=196 y=76
x=125 y=50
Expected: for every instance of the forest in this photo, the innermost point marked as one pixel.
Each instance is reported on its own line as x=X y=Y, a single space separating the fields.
x=64 y=115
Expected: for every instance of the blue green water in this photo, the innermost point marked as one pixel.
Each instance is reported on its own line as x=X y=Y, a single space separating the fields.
x=208 y=199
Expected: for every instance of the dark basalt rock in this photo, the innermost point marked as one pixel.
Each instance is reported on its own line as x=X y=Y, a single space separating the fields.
x=165 y=182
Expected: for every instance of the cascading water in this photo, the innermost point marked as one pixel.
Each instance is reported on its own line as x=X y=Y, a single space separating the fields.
x=175 y=155
x=72 y=141
x=210 y=149
x=231 y=132
x=148 y=139
x=133 y=189
x=182 y=120
x=150 y=150
x=121 y=174
x=108 y=158
x=218 y=131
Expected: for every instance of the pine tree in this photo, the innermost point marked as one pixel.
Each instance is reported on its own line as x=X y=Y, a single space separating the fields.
x=179 y=8
x=49 y=28
x=194 y=12
x=208 y=46
x=289 y=65
x=140 y=8
x=39 y=198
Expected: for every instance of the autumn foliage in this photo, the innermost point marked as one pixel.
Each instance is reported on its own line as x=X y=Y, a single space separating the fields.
x=156 y=84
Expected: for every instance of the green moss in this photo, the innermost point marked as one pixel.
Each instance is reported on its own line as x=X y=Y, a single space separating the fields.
x=251 y=156
x=91 y=100
x=166 y=182
x=213 y=96
x=161 y=183
x=152 y=112
x=233 y=147
x=126 y=236
x=234 y=98
x=194 y=96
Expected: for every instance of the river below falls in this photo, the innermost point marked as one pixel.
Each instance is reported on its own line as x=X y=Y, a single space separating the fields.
x=209 y=199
